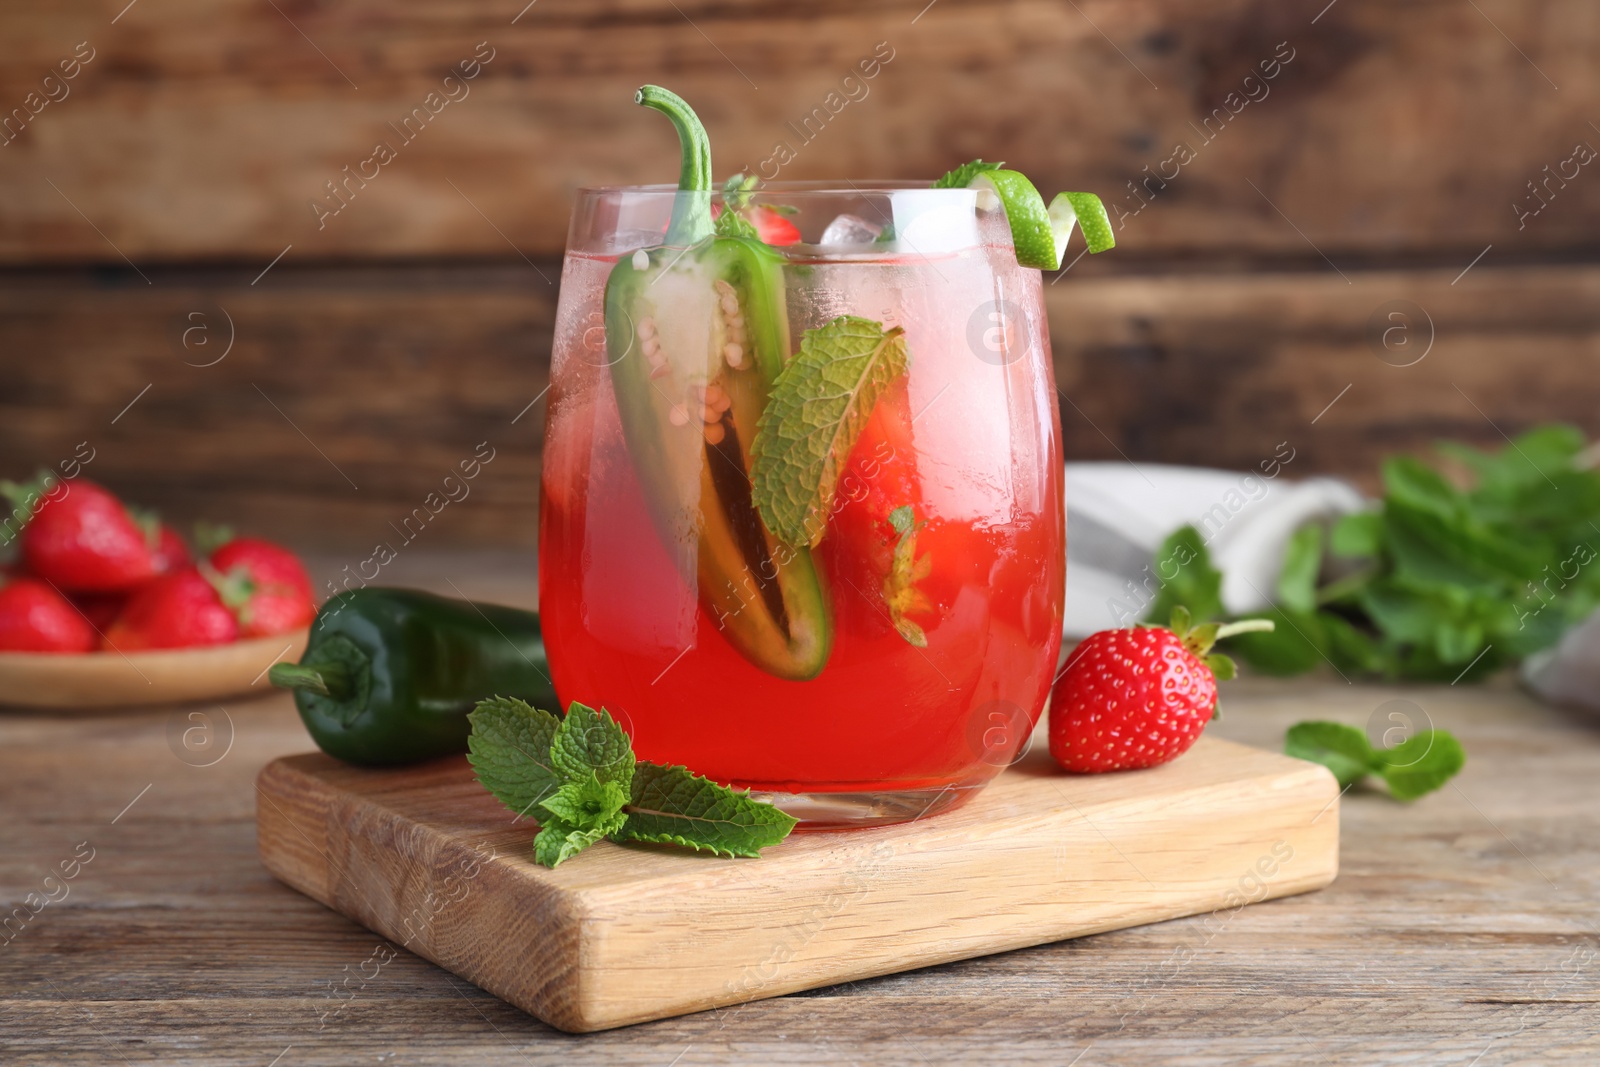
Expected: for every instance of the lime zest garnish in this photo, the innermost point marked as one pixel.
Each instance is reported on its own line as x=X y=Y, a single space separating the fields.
x=1087 y=211
x=1038 y=234
x=1032 y=234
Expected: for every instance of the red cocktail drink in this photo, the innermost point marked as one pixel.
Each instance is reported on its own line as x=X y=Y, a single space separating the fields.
x=802 y=527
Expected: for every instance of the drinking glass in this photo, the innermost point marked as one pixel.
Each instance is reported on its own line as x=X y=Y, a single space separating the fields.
x=902 y=676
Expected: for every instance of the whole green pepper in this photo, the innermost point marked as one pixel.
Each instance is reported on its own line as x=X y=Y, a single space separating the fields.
x=389 y=675
x=697 y=330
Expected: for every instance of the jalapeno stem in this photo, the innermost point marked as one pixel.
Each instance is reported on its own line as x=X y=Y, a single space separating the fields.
x=324 y=679
x=691 y=214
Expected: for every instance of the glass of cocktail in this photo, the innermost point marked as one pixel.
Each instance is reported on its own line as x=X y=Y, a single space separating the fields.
x=801 y=518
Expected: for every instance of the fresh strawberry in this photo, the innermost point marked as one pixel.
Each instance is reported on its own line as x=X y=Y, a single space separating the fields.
x=176 y=610
x=170 y=552
x=36 y=618
x=1139 y=697
x=773 y=227
x=264 y=561
x=101 y=609
x=265 y=585
x=83 y=539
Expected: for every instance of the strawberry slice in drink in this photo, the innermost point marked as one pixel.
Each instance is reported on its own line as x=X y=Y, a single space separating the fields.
x=872 y=596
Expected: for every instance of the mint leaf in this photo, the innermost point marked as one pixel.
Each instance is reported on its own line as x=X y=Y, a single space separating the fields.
x=1350 y=649
x=672 y=805
x=509 y=749
x=1188 y=580
x=1294 y=646
x=559 y=841
x=1302 y=561
x=962 y=176
x=1542 y=452
x=1342 y=749
x=590 y=741
x=588 y=803
x=818 y=406
x=1421 y=763
x=1358 y=536
x=1416 y=766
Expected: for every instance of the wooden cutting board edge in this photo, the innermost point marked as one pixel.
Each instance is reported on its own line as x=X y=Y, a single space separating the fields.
x=584 y=955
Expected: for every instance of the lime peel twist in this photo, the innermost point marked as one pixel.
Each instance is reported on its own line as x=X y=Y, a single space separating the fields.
x=1039 y=234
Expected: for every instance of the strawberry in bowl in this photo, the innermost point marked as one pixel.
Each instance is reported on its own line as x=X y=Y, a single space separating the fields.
x=265 y=585
x=35 y=617
x=81 y=539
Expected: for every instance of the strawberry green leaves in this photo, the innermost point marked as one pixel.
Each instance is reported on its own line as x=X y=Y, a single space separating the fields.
x=819 y=404
x=577 y=775
x=1200 y=639
x=1417 y=766
x=900 y=590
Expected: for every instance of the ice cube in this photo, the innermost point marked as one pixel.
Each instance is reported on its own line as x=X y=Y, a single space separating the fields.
x=850 y=230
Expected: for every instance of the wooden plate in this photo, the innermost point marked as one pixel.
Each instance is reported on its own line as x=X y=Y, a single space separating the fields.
x=169 y=676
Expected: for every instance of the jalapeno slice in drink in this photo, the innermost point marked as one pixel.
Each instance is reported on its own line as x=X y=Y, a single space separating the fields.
x=696 y=331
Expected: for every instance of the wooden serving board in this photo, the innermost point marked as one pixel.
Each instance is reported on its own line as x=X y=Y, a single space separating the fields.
x=163 y=676
x=427 y=858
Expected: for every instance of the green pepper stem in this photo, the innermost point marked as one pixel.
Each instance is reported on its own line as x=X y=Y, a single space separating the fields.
x=324 y=679
x=691 y=214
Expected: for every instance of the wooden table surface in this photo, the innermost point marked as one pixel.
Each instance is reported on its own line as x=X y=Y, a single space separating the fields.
x=1460 y=931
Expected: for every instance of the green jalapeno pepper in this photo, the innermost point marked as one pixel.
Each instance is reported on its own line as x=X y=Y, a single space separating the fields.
x=389 y=675
x=696 y=331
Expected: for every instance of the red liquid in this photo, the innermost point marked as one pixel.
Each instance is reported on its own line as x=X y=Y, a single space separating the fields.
x=625 y=629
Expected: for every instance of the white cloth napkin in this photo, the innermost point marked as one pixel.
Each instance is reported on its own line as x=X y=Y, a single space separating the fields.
x=1118 y=514
x=1569 y=673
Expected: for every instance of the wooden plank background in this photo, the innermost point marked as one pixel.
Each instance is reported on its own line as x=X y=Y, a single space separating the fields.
x=1393 y=151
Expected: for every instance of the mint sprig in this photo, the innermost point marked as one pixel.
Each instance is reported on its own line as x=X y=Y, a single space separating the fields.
x=1417 y=766
x=578 y=776
x=1444 y=579
x=962 y=176
x=819 y=405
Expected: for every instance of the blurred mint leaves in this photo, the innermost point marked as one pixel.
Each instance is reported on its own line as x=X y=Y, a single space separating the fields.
x=1437 y=582
x=1416 y=766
